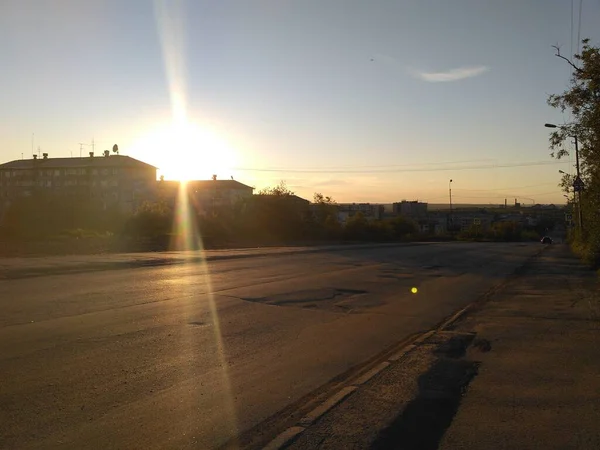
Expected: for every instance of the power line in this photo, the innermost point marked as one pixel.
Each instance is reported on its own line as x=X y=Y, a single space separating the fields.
x=536 y=194
x=399 y=170
x=579 y=25
x=572 y=7
x=506 y=188
x=326 y=168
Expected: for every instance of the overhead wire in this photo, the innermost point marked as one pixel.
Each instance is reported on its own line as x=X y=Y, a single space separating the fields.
x=325 y=168
x=398 y=169
x=506 y=188
x=579 y=26
x=572 y=14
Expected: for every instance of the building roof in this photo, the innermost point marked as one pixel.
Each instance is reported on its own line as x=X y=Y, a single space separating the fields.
x=292 y=197
x=60 y=163
x=208 y=184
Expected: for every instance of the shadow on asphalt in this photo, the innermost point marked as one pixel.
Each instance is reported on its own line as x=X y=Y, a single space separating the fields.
x=424 y=421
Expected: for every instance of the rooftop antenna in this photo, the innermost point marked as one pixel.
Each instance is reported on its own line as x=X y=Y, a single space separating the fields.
x=32 y=134
x=81 y=148
x=93 y=145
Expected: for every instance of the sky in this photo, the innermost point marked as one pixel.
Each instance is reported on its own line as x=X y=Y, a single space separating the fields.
x=362 y=100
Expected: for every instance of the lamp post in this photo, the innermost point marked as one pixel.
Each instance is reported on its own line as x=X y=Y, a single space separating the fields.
x=578 y=183
x=450 y=192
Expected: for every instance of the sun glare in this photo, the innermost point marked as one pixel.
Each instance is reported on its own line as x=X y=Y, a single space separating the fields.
x=186 y=151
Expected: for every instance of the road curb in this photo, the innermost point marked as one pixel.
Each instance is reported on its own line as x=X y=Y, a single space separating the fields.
x=292 y=433
x=288 y=436
x=284 y=438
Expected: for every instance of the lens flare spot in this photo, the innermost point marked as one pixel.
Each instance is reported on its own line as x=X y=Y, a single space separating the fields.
x=414 y=290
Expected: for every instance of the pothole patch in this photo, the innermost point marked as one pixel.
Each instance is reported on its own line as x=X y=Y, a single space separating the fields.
x=332 y=299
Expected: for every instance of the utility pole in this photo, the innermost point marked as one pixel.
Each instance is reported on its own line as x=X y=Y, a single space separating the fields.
x=450 y=192
x=579 y=187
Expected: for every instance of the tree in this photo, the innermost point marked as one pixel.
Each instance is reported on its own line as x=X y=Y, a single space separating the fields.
x=403 y=227
x=281 y=190
x=582 y=100
x=276 y=215
x=152 y=219
x=357 y=227
x=325 y=207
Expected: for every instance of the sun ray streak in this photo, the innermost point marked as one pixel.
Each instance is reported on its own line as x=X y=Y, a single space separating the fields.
x=186 y=235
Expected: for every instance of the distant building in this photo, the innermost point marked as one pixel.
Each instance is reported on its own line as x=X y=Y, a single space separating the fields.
x=465 y=221
x=411 y=209
x=370 y=211
x=112 y=179
x=205 y=194
x=436 y=223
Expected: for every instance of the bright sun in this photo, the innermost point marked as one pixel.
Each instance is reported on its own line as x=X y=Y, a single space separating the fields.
x=186 y=152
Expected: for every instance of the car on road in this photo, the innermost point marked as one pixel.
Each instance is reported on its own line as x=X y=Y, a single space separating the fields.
x=546 y=240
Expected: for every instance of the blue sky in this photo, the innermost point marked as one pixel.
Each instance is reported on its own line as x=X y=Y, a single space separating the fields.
x=375 y=100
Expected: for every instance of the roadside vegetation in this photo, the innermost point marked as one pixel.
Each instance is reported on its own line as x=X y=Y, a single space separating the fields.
x=273 y=217
x=581 y=100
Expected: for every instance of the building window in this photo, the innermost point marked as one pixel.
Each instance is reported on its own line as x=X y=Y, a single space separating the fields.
x=104 y=171
x=115 y=171
x=57 y=173
x=94 y=171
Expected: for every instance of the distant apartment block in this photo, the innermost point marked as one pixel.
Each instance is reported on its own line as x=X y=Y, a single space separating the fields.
x=468 y=221
x=205 y=194
x=370 y=211
x=114 y=180
x=411 y=209
x=434 y=223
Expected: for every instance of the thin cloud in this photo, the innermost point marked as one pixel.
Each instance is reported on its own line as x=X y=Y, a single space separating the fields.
x=459 y=73
x=332 y=182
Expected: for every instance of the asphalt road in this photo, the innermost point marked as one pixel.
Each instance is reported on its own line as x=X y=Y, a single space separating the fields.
x=187 y=356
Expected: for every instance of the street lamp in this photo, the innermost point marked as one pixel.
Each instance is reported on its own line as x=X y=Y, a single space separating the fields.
x=577 y=184
x=450 y=191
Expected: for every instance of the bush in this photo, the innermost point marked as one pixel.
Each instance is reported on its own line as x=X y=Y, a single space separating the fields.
x=530 y=236
x=152 y=219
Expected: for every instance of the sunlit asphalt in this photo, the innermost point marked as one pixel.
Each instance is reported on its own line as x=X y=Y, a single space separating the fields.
x=187 y=356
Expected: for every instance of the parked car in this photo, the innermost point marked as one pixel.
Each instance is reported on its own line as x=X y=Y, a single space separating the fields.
x=546 y=240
